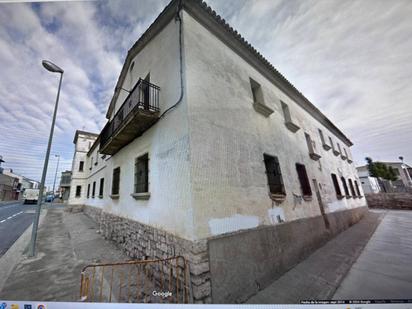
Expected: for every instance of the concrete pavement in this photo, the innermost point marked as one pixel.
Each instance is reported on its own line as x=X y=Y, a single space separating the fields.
x=15 y=218
x=66 y=243
x=384 y=269
x=318 y=277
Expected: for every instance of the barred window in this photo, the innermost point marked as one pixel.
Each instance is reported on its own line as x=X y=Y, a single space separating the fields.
x=116 y=181
x=141 y=174
x=336 y=185
x=78 y=191
x=352 y=189
x=274 y=175
x=94 y=189
x=101 y=187
x=303 y=179
x=345 y=186
x=357 y=188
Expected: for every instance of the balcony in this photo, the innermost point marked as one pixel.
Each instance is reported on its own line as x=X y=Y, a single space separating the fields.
x=138 y=113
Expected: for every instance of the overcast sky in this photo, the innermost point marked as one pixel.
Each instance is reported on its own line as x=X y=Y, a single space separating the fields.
x=352 y=59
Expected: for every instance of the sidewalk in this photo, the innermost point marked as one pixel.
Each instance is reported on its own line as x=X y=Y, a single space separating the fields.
x=384 y=269
x=321 y=273
x=66 y=243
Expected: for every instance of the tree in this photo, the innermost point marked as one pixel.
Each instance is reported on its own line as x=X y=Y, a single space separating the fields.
x=380 y=170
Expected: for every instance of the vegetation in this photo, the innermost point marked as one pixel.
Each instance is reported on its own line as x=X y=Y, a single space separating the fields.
x=380 y=170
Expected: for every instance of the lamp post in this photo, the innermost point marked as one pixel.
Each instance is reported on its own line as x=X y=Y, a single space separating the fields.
x=51 y=67
x=55 y=176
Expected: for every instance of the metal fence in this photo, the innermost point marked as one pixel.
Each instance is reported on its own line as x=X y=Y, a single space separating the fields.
x=147 y=281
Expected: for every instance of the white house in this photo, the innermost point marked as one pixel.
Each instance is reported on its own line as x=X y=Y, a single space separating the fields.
x=369 y=184
x=208 y=146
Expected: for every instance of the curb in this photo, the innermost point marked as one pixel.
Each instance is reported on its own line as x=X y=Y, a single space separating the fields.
x=14 y=255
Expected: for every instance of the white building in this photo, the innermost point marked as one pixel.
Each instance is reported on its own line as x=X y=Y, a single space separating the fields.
x=369 y=184
x=214 y=148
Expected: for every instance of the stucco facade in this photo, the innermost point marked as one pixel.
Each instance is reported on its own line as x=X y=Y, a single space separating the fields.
x=206 y=173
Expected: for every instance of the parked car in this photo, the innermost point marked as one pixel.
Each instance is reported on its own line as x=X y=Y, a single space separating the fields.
x=49 y=198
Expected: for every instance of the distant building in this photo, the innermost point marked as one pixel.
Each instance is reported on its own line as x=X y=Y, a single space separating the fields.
x=65 y=182
x=23 y=182
x=9 y=188
x=369 y=184
x=80 y=172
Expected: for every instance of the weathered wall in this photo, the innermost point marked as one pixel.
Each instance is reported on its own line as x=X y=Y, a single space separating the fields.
x=390 y=200
x=244 y=262
x=167 y=144
x=140 y=241
x=228 y=139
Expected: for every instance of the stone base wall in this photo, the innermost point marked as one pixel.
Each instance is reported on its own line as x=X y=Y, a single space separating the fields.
x=390 y=200
x=141 y=241
x=244 y=262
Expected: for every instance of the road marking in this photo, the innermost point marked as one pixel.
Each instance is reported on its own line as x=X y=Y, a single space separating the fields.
x=11 y=217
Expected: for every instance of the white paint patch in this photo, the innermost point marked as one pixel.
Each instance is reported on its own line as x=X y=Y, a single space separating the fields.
x=336 y=205
x=276 y=215
x=232 y=224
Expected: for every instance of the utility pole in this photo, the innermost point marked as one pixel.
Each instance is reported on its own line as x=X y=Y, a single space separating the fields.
x=54 y=69
x=55 y=176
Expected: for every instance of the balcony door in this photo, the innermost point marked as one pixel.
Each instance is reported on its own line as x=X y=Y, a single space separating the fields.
x=146 y=92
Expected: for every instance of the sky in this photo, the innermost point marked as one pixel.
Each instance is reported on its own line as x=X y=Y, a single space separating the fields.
x=352 y=59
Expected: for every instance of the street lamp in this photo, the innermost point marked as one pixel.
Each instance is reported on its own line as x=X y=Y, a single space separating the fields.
x=49 y=66
x=55 y=176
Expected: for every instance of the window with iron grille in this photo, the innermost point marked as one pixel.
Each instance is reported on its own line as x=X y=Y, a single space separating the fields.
x=274 y=175
x=94 y=189
x=336 y=185
x=345 y=186
x=357 y=188
x=141 y=174
x=116 y=181
x=101 y=187
x=303 y=179
x=352 y=189
x=88 y=190
x=78 y=191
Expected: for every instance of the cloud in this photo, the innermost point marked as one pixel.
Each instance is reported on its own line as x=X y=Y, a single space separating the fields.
x=350 y=58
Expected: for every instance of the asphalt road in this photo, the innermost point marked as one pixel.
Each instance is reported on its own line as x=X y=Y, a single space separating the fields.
x=14 y=220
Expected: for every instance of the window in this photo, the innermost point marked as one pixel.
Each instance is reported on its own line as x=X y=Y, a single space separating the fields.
x=91 y=164
x=334 y=150
x=312 y=148
x=352 y=189
x=88 y=190
x=258 y=101
x=81 y=166
x=304 y=180
x=345 y=186
x=274 y=175
x=357 y=188
x=94 y=189
x=101 y=187
x=97 y=159
x=116 y=181
x=322 y=139
x=288 y=119
x=78 y=191
x=256 y=92
x=336 y=185
x=141 y=174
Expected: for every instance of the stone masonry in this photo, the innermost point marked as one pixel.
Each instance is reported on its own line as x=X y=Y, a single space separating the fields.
x=140 y=241
x=390 y=200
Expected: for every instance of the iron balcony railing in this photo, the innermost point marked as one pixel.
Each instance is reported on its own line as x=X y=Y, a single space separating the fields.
x=144 y=97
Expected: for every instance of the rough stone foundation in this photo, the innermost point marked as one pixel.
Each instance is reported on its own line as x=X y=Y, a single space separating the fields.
x=141 y=241
x=390 y=200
